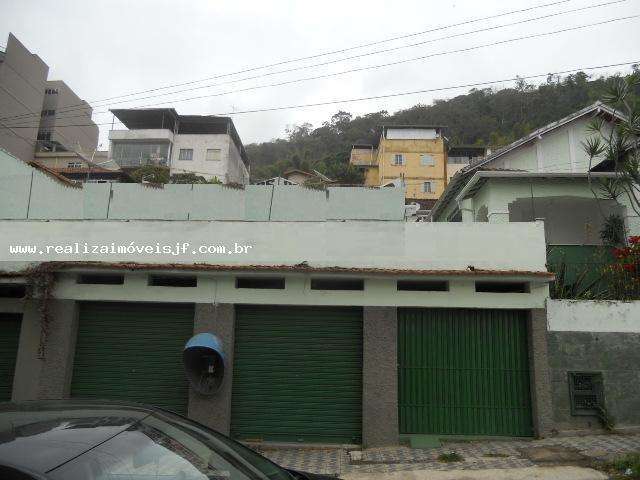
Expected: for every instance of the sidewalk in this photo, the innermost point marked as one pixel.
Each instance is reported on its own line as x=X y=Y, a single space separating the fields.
x=476 y=455
x=529 y=473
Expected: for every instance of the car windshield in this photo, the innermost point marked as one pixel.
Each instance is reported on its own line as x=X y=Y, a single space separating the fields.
x=167 y=447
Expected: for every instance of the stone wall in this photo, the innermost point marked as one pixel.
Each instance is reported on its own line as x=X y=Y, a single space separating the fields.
x=590 y=336
x=616 y=355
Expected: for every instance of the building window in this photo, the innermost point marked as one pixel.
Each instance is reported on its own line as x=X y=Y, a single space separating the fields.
x=429 y=187
x=273 y=283
x=44 y=135
x=74 y=165
x=214 y=154
x=502 y=287
x=398 y=159
x=51 y=91
x=186 y=154
x=47 y=113
x=427 y=160
x=173 y=281
x=135 y=154
x=337 y=284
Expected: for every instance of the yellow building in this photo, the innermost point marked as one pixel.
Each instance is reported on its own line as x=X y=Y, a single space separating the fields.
x=409 y=156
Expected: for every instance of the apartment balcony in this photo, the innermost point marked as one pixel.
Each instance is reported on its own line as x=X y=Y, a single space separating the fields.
x=156 y=134
x=362 y=156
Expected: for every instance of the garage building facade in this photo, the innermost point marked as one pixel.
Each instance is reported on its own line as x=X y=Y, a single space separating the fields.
x=330 y=367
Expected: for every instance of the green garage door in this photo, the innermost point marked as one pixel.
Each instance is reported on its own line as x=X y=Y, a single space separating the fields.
x=297 y=374
x=9 y=338
x=133 y=351
x=463 y=372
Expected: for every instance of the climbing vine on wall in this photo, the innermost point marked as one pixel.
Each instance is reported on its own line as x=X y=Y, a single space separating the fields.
x=41 y=283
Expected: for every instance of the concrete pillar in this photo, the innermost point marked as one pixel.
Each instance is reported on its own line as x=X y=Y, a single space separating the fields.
x=466 y=210
x=49 y=377
x=380 y=377
x=60 y=348
x=215 y=411
x=541 y=403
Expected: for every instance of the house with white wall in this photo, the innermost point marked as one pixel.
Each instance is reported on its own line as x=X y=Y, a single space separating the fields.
x=544 y=175
x=205 y=145
x=593 y=313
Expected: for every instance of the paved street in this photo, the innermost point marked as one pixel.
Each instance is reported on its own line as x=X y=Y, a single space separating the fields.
x=476 y=455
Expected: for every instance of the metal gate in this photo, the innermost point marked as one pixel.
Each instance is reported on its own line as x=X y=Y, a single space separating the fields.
x=133 y=351
x=297 y=374
x=463 y=372
x=9 y=339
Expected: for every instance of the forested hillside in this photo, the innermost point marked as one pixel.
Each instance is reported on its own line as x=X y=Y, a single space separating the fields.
x=481 y=117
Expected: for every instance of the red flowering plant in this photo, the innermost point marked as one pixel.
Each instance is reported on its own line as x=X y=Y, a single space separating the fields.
x=624 y=272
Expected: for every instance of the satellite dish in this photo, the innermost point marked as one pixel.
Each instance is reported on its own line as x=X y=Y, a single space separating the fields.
x=204 y=363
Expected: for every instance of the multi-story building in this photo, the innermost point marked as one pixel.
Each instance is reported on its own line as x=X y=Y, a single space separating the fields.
x=409 y=156
x=20 y=101
x=463 y=155
x=207 y=146
x=37 y=114
x=65 y=121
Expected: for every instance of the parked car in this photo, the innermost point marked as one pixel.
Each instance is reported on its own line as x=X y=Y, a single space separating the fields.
x=106 y=440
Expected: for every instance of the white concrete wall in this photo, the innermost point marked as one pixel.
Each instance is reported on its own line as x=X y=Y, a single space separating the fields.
x=593 y=316
x=221 y=288
x=27 y=193
x=142 y=134
x=238 y=172
x=350 y=244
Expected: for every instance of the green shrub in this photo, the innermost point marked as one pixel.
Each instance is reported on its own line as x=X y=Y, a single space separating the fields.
x=450 y=457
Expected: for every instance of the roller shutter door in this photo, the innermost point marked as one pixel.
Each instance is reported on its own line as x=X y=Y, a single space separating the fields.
x=9 y=339
x=133 y=351
x=298 y=374
x=463 y=372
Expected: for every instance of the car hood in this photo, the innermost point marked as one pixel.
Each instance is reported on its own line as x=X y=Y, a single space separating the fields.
x=42 y=440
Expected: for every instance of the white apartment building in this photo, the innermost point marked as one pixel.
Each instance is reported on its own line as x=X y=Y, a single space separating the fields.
x=207 y=146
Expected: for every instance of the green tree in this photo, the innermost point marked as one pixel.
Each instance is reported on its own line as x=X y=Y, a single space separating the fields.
x=480 y=117
x=151 y=174
x=190 y=178
x=618 y=146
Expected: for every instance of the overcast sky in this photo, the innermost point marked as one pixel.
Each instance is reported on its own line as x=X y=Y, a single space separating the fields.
x=106 y=49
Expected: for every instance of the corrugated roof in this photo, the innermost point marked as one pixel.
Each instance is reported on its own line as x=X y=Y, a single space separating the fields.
x=54 y=175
